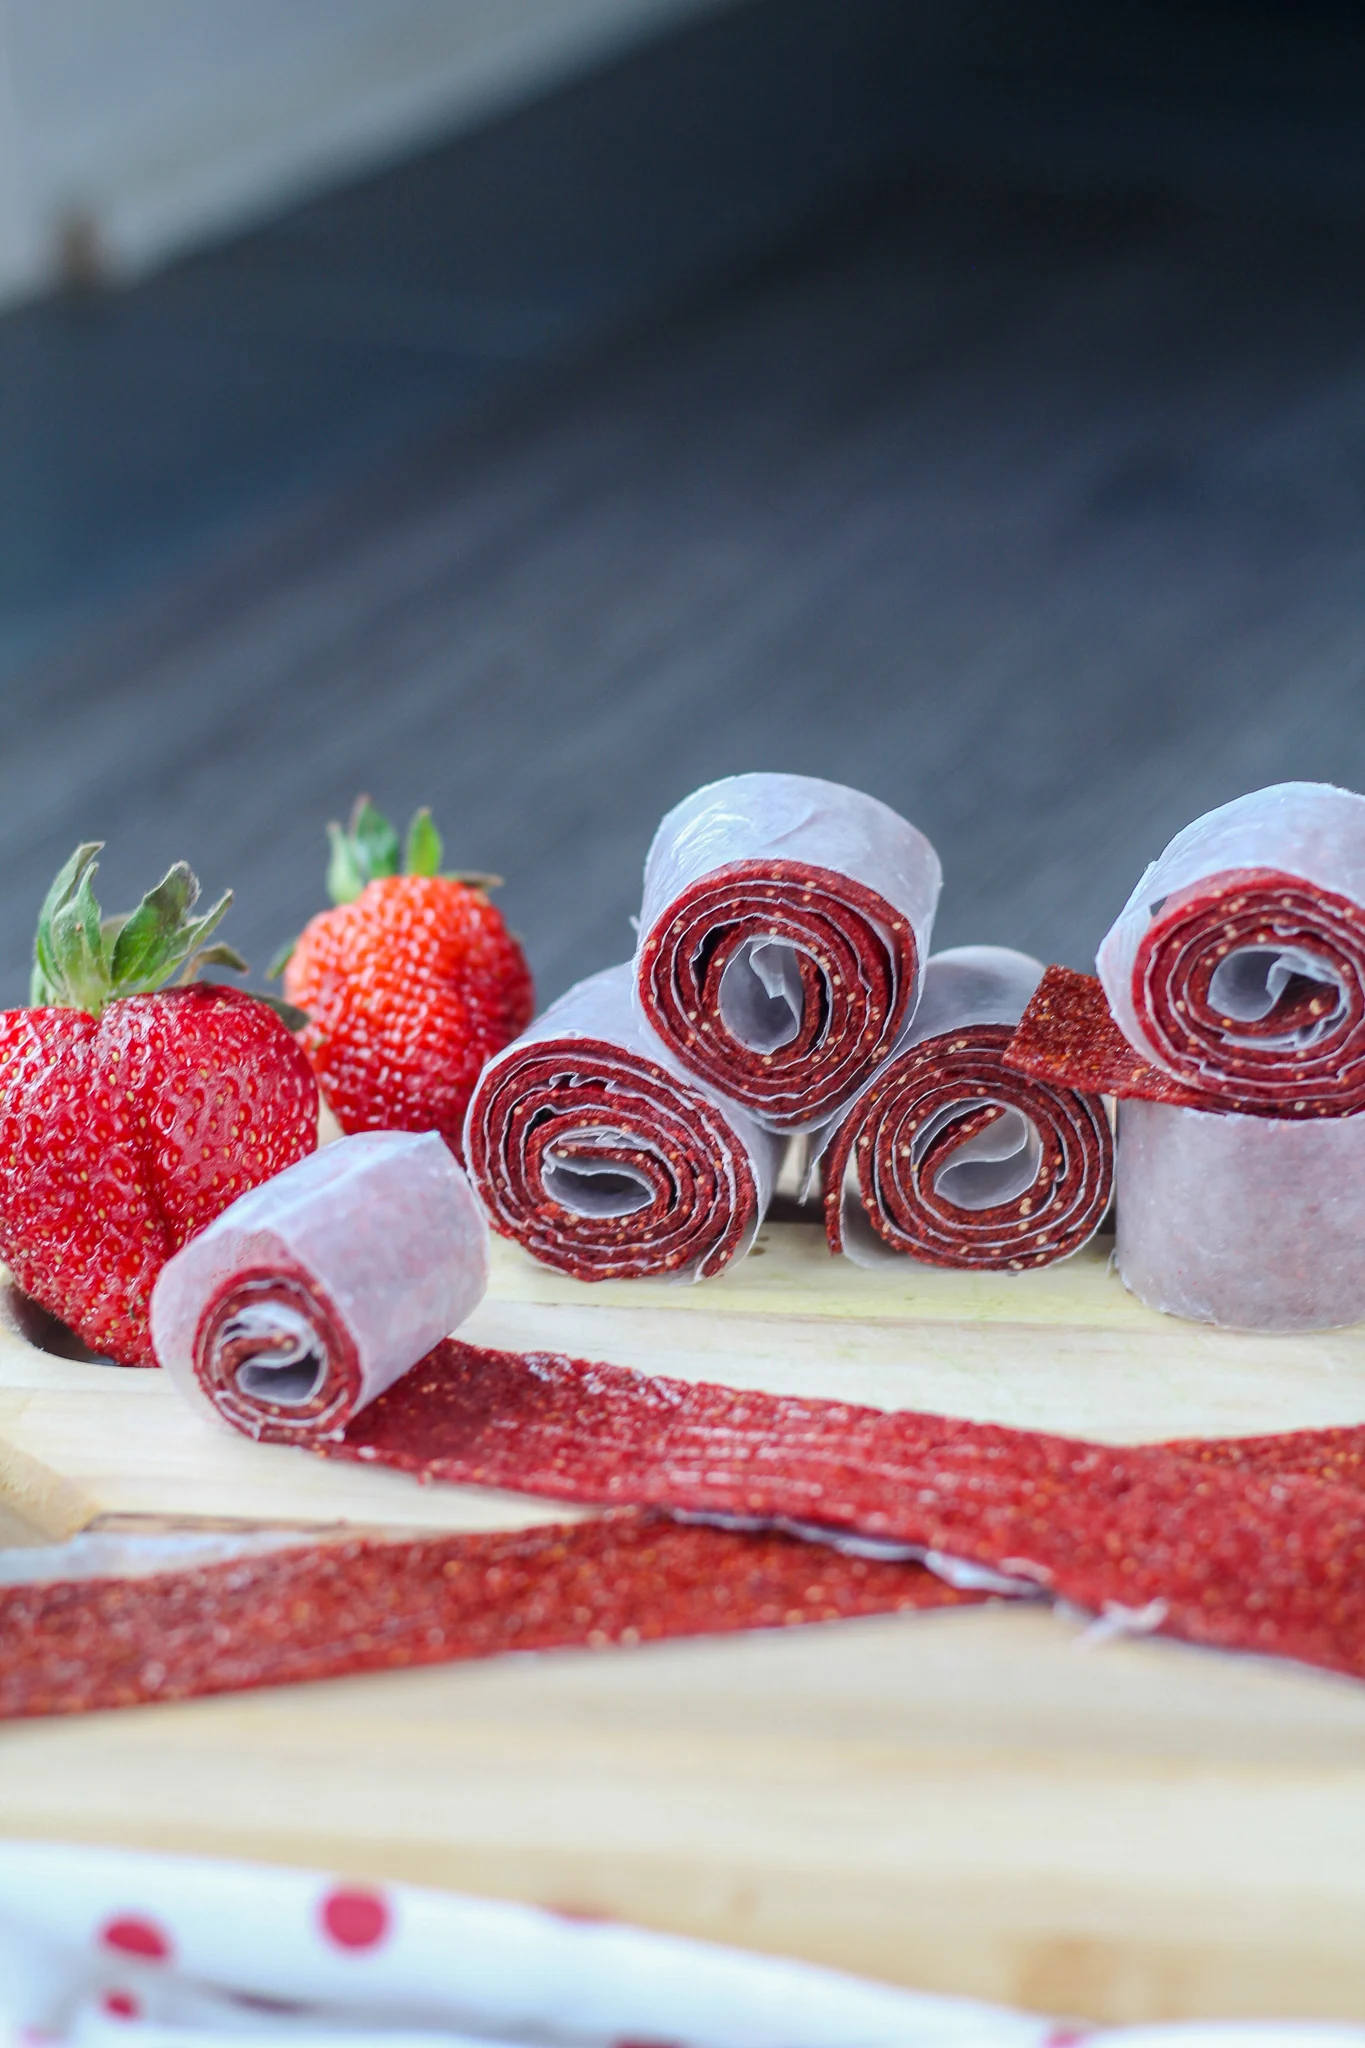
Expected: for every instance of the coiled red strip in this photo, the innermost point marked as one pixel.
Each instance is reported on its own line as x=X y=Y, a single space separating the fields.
x=1232 y=1062
x=858 y=964
x=549 y=1099
x=925 y=1105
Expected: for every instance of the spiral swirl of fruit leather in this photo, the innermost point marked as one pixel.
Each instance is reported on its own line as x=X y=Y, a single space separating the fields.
x=1257 y=1223
x=1238 y=964
x=592 y=1149
x=311 y=1295
x=953 y=1157
x=783 y=933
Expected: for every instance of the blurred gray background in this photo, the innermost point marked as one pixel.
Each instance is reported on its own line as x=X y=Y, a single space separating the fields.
x=968 y=404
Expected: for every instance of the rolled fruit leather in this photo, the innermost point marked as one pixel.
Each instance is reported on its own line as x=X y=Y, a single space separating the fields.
x=1256 y=1223
x=312 y=1294
x=950 y=1156
x=593 y=1149
x=783 y=932
x=1237 y=966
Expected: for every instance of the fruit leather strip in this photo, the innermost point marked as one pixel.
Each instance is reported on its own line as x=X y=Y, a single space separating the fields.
x=1252 y=1222
x=1067 y=1036
x=591 y=1147
x=1334 y=1457
x=311 y=1294
x=1236 y=1558
x=1238 y=965
x=952 y=1156
x=782 y=937
x=330 y=1609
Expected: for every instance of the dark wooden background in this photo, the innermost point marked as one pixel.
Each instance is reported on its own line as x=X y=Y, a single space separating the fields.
x=976 y=417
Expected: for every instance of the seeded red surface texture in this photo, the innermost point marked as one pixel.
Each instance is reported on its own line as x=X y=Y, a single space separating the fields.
x=409 y=989
x=1067 y=1036
x=1245 y=1555
x=855 y=988
x=1060 y=1209
x=1234 y=1061
x=326 y=1610
x=123 y=1136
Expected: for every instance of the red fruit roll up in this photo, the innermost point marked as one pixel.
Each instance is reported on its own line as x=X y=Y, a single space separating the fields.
x=952 y=1157
x=592 y=1148
x=1238 y=964
x=311 y=1295
x=783 y=933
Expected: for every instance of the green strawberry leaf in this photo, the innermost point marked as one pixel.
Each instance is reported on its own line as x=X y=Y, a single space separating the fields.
x=375 y=840
x=216 y=955
x=422 y=854
x=148 y=933
x=289 y=1014
x=280 y=960
x=68 y=952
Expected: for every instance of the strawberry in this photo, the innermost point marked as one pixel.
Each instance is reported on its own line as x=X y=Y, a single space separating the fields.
x=410 y=984
x=130 y=1118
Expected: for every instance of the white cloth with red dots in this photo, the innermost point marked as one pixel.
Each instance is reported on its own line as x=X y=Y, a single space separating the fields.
x=101 y=1946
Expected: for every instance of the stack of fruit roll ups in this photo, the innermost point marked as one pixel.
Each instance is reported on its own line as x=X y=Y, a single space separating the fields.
x=951 y=1156
x=1230 y=1019
x=308 y=1297
x=592 y=1148
x=783 y=933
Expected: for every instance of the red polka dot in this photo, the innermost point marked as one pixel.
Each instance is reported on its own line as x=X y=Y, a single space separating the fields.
x=133 y=1936
x=121 y=2005
x=355 y=1919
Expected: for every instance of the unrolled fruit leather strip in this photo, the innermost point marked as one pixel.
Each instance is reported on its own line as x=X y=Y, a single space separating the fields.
x=1252 y=1222
x=955 y=1158
x=1237 y=966
x=592 y=1148
x=783 y=932
x=1236 y=1556
x=309 y=1296
x=326 y=1610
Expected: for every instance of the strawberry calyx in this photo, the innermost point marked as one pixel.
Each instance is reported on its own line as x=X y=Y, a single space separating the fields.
x=367 y=849
x=83 y=960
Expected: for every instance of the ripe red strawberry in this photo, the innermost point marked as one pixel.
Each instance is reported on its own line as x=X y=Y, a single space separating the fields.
x=129 y=1119
x=410 y=984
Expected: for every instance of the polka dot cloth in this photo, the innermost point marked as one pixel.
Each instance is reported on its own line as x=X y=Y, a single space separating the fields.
x=101 y=1947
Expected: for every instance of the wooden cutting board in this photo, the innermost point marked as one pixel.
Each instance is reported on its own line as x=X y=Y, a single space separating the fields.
x=972 y=1801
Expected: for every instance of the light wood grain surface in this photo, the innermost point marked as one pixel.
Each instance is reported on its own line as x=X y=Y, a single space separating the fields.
x=975 y=1802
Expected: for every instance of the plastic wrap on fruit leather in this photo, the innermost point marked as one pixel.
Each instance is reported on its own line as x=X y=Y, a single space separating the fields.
x=950 y=1156
x=1237 y=965
x=310 y=1295
x=591 y=1146
x=1256 y=1223
x=783 y=935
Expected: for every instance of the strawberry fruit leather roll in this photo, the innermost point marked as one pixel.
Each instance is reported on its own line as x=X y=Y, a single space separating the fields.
x=782 y=938
x=953 y=1157
x=311 y=1295
x=1237 y=966
x=593 y=1150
